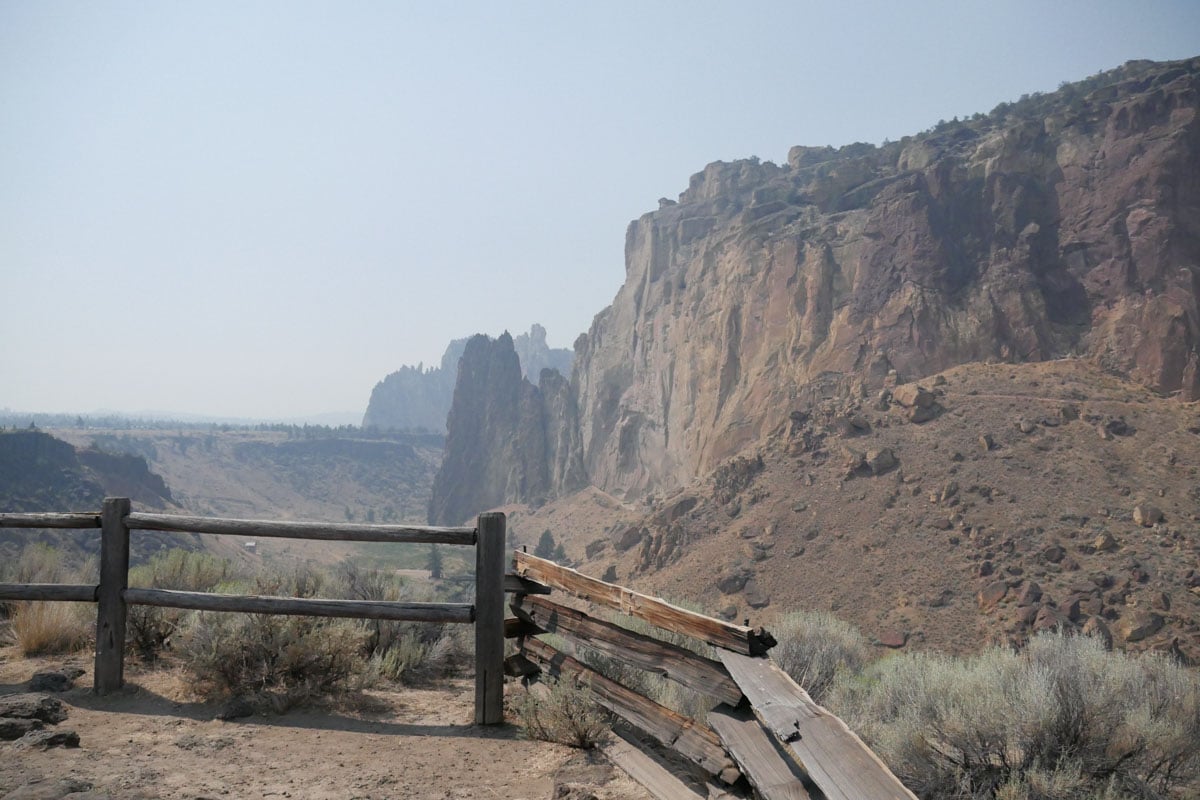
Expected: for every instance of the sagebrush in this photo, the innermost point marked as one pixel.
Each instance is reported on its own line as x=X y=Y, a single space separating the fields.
x=563 y=712
x=1064 y=719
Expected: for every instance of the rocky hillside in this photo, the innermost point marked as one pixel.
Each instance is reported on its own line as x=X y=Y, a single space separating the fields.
x=418 y=398
x=983 y=504
x=1066 y=223
x=39 y=472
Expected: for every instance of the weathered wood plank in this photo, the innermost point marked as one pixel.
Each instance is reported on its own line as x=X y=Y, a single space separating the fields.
x=109 y=673
x=322 y=531
x=489 y=620
x=832 y=755
x=302 y=606
x=69 y=592
x=755 y=752
x=739 y=638
x=671 y=661
x=64 y=520
x=692 y=740
x=515 y=584
x=653 y=776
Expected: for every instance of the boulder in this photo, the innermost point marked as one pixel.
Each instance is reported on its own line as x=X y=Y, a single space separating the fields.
x=1095 y=627
x=1104 y=543
x=11 y=729
x=1049 y=619
x=992 y=594
x=893 y=639
x=1147 y=515
x=986 y=442
x=54 y=680
x=1030 y=594
x=911 y=395
x=33 y=706
x=881 y=460
x=1138 y=625
x=1054 y=554
x=734 y=581
x=754 y=595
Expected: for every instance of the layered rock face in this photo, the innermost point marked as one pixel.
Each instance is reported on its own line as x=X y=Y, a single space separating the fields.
x=508 y=440
x=1067 y=223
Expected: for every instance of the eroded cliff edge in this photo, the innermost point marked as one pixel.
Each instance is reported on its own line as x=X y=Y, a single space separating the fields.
x=1065 y=223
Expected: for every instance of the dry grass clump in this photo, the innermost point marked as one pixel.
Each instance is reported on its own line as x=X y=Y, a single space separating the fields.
x=562 y=712
x=50 y=628
x=1062 y=720
x=814 y=648
x=43 y=628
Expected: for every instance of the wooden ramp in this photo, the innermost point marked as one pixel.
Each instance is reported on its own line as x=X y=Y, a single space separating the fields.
x=835 y=758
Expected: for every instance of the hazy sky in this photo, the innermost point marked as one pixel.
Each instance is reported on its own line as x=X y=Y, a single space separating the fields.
x=260 y=209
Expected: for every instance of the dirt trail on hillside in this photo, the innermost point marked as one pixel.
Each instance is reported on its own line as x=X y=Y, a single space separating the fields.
x=146 y=742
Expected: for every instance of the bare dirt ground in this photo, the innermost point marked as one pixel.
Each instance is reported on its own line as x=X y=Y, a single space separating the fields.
x=153 y=740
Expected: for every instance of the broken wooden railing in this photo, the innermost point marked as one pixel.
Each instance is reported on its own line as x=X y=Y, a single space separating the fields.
x=113 y=594
x=764 y=727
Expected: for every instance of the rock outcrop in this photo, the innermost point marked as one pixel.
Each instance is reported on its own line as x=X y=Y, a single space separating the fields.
x=507 y=440
x=1066 y=223
x=418 y=398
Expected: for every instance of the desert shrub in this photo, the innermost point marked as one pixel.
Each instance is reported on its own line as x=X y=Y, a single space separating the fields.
x=815 y=647
x=564 y=713
x=149 y=628
x=289 y=660
x=405 y=652
x=40 y=563
x=51 y=628
x=1062 y=720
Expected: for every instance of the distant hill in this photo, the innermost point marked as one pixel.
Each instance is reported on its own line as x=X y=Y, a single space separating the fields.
x=39 y=472
x=418 y=398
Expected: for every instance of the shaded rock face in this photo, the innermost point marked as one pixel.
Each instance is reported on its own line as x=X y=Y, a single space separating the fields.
x=507 y=440
x=419 y=397
x=1068 y=223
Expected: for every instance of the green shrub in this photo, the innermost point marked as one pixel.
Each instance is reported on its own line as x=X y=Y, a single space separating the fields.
x=149 y=628
x=815 y=647
x=1062 y=720
x=562 y=712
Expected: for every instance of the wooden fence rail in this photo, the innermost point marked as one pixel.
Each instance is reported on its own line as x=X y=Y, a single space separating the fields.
x=113 y=595
x=762 y=727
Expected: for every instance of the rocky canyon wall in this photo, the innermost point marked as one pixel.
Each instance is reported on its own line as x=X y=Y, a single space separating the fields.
x=1065 y=223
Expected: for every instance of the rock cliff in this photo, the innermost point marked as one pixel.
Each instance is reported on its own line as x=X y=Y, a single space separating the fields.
x=1064 y=223
x=417 y=397
x=508 y=440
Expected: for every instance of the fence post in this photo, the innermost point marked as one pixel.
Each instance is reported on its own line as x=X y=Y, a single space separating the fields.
x=110 y=612
x=489 y=619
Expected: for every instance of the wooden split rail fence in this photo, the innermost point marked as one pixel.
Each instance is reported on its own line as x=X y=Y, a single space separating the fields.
x=764 y=727
x=113 y=594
